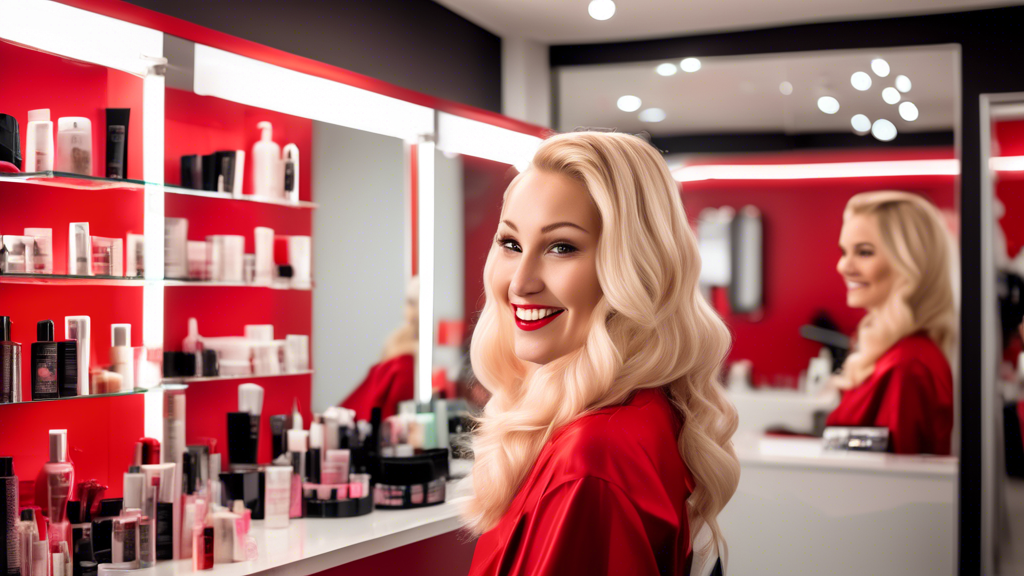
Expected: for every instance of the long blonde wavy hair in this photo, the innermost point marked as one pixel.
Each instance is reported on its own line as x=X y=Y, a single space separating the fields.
x=651 y=328
x=916 y=243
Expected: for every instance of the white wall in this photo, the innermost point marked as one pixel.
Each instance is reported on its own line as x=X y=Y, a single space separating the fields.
x=358 y=255
x=525 y=80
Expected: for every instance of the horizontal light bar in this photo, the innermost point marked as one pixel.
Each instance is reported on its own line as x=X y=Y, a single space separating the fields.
x=247 y=81
x=458 y=135
x=697 y=173
x=78 y=34
x=1006 y=164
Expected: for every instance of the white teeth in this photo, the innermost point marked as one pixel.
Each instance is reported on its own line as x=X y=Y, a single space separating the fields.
x=852 y=285
x=534 y=314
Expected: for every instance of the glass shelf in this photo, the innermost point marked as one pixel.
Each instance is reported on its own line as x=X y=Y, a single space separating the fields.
x=233 y=285
x=191 y=379
x=67 y=280
x=244 y=198
x=87 y=396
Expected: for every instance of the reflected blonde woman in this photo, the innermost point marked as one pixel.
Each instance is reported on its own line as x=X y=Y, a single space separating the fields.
x=896 y=264
x=606 y=444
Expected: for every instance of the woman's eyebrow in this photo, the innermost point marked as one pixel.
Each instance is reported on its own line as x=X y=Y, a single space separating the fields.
x=549 y=227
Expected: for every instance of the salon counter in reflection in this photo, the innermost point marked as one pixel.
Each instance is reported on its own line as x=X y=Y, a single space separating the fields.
x=800 y=509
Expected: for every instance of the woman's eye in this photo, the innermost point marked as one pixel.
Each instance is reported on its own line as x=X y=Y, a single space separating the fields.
x=562 y=248
x=865 y=253
x=509 y=244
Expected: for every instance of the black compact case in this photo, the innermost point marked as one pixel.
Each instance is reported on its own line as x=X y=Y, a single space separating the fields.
x=10 y=141
x=245 y=486
x=243 y=437
x=338 y=508
x=412 y=478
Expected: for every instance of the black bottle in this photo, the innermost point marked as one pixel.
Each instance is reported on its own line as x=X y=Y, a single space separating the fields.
x=10 y=364
x=10 y=556
x=44 y=363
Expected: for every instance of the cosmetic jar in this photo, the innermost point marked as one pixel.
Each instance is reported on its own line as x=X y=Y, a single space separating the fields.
x=412 y=482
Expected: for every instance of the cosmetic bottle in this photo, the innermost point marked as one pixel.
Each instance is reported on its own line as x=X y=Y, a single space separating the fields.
x=335 y=468
x=117 y=142
x=264 y=256
x=44 y=363
x=135 y=256
x=10 y=556
x=60 y=476
x=291 y=173
x=226 y=256
x=192 y=172
x=244 y=425
x=227 y=543
x=77 y=328
x=42 y=249
x=137 y=506
x=278 y=438
x=121 y=356
x=277 y=498
x=10 y=364
x=81 y=536
x=10 y=141
x=67 y=368
x=126 y=539
x=79 y=249
x=107 y=256
x=20 y=251
x=299 y=257
x=314 y=459
x=176 y=248
x=295 y=485
x=41 y=558
x=103 y=529
x=74 y=145
x=39 y=141
x=28 y=534
x=266 y=164
x=161 y=476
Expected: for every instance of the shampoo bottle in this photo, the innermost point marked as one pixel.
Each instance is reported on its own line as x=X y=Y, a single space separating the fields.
x=267 y=178
x=39 y=141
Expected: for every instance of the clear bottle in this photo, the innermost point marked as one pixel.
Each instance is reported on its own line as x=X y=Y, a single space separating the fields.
x=60 y=477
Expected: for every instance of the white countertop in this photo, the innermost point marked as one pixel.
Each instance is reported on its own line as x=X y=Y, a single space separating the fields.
x=755 y=450
x=312 y=545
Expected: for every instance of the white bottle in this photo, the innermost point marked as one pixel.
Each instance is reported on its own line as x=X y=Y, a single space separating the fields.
x=74 y=145
x=121 y=355
x=39 y=141
x=267 y=172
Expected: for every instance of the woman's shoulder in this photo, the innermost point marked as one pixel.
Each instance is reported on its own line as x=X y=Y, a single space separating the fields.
x=915 y=352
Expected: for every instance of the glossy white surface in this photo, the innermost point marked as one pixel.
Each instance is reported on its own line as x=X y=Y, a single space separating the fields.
x=308 y=546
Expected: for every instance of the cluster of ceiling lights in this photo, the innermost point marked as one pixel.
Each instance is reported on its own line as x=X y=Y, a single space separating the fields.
x=881 y=128
x=630 y=103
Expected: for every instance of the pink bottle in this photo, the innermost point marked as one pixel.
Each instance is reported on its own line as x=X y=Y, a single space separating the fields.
x=60 y=477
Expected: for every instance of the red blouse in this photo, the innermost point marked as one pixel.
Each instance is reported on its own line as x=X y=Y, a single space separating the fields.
x=387 y=384
x=607 y=495
x=910 y=393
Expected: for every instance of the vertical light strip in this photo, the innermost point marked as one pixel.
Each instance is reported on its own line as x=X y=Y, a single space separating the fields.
x=153 y=215
x=425 y=202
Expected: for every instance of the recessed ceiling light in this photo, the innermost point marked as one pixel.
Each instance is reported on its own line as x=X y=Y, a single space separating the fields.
x=880 y=67
x=828 y=105
x=601 y=9
x=652 y=115
x=786 y=88
x=861 y=81
x=883 y=130
x=667 y=69
x=629 y=103
x=903 y=83
x=908 y=111
x=690 y=64
x=891 y=95
x=861 y=124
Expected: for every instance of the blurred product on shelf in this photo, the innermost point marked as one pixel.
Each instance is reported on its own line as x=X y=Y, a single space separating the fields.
x=10 y=560
x=107 y=256
x=135 y=255
x=79 y=249
x=42 y=250
x=10 y=364
x=176 y=253
x=74 y=145
x=221 y=171
x=122 y=358
x=256 y=353
x=291 y=173
x=225 y=253
x=117 y=142
x=39 y=141
x=59 y=475
x=44 y=363
x=264 y=265
x=10 y=143
x=244 y=427
x=20 y=253
x=267 y=168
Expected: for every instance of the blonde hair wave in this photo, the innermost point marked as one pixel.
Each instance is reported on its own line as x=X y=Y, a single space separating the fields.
x=916 y=242
x=651 y=328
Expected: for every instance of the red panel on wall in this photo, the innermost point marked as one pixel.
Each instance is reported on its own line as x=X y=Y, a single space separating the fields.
x=84 y=90
x=208 y=403
x=203 y=124
x=102 y=431
x=26 y=304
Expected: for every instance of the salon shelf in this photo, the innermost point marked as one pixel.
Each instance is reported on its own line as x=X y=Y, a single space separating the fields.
x=309 y=546
x=73 y=181
x=66 y=280
x=190 y=380
x=246 y=198
x=73 y=398
x=198 y=283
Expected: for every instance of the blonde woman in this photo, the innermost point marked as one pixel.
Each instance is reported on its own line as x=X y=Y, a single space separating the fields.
x=606 y=444
x=896 y=264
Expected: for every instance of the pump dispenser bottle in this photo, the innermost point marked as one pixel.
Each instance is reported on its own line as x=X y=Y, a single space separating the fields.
x=39 y=141
x=267 y=173
x=60 y=477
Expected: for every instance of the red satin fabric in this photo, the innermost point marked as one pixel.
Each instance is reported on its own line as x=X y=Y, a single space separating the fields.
x=607 y=495
x=387 y=384
x=910 y=393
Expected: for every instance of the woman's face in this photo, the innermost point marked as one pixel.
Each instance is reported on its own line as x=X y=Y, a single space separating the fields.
x=546 y=268
x=868 y=273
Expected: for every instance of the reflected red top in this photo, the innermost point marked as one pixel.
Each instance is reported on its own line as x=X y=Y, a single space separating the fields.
x=607 y=495
x=387 y=384
x=910 y=393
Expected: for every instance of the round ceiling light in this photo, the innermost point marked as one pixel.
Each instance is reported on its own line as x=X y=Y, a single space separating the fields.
x=861 y=124
x=828 y=105
x=883 y=130
x=786 y=88
x=861 y=81
x=666 y=69
x=629 y=103
x=652 y=115
x=903 y=83
x=880 y=67
x=891 y=95
x=908 y=111
x=690 y=65
x=601 y=9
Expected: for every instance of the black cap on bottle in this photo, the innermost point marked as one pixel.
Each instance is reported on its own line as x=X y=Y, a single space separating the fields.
x=10 y=141
x=44 y=331
x=5 y=328
x=26 y=515
x=111 y=506
x=6 y=466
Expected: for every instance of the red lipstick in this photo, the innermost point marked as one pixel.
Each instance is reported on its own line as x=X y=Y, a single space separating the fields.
x=530 y=325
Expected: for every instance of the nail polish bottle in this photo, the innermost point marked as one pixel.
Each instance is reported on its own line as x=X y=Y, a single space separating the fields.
x=44 y=363
x=10 y=364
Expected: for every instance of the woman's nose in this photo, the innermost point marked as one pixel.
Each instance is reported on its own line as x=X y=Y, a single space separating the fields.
x=526 y=279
